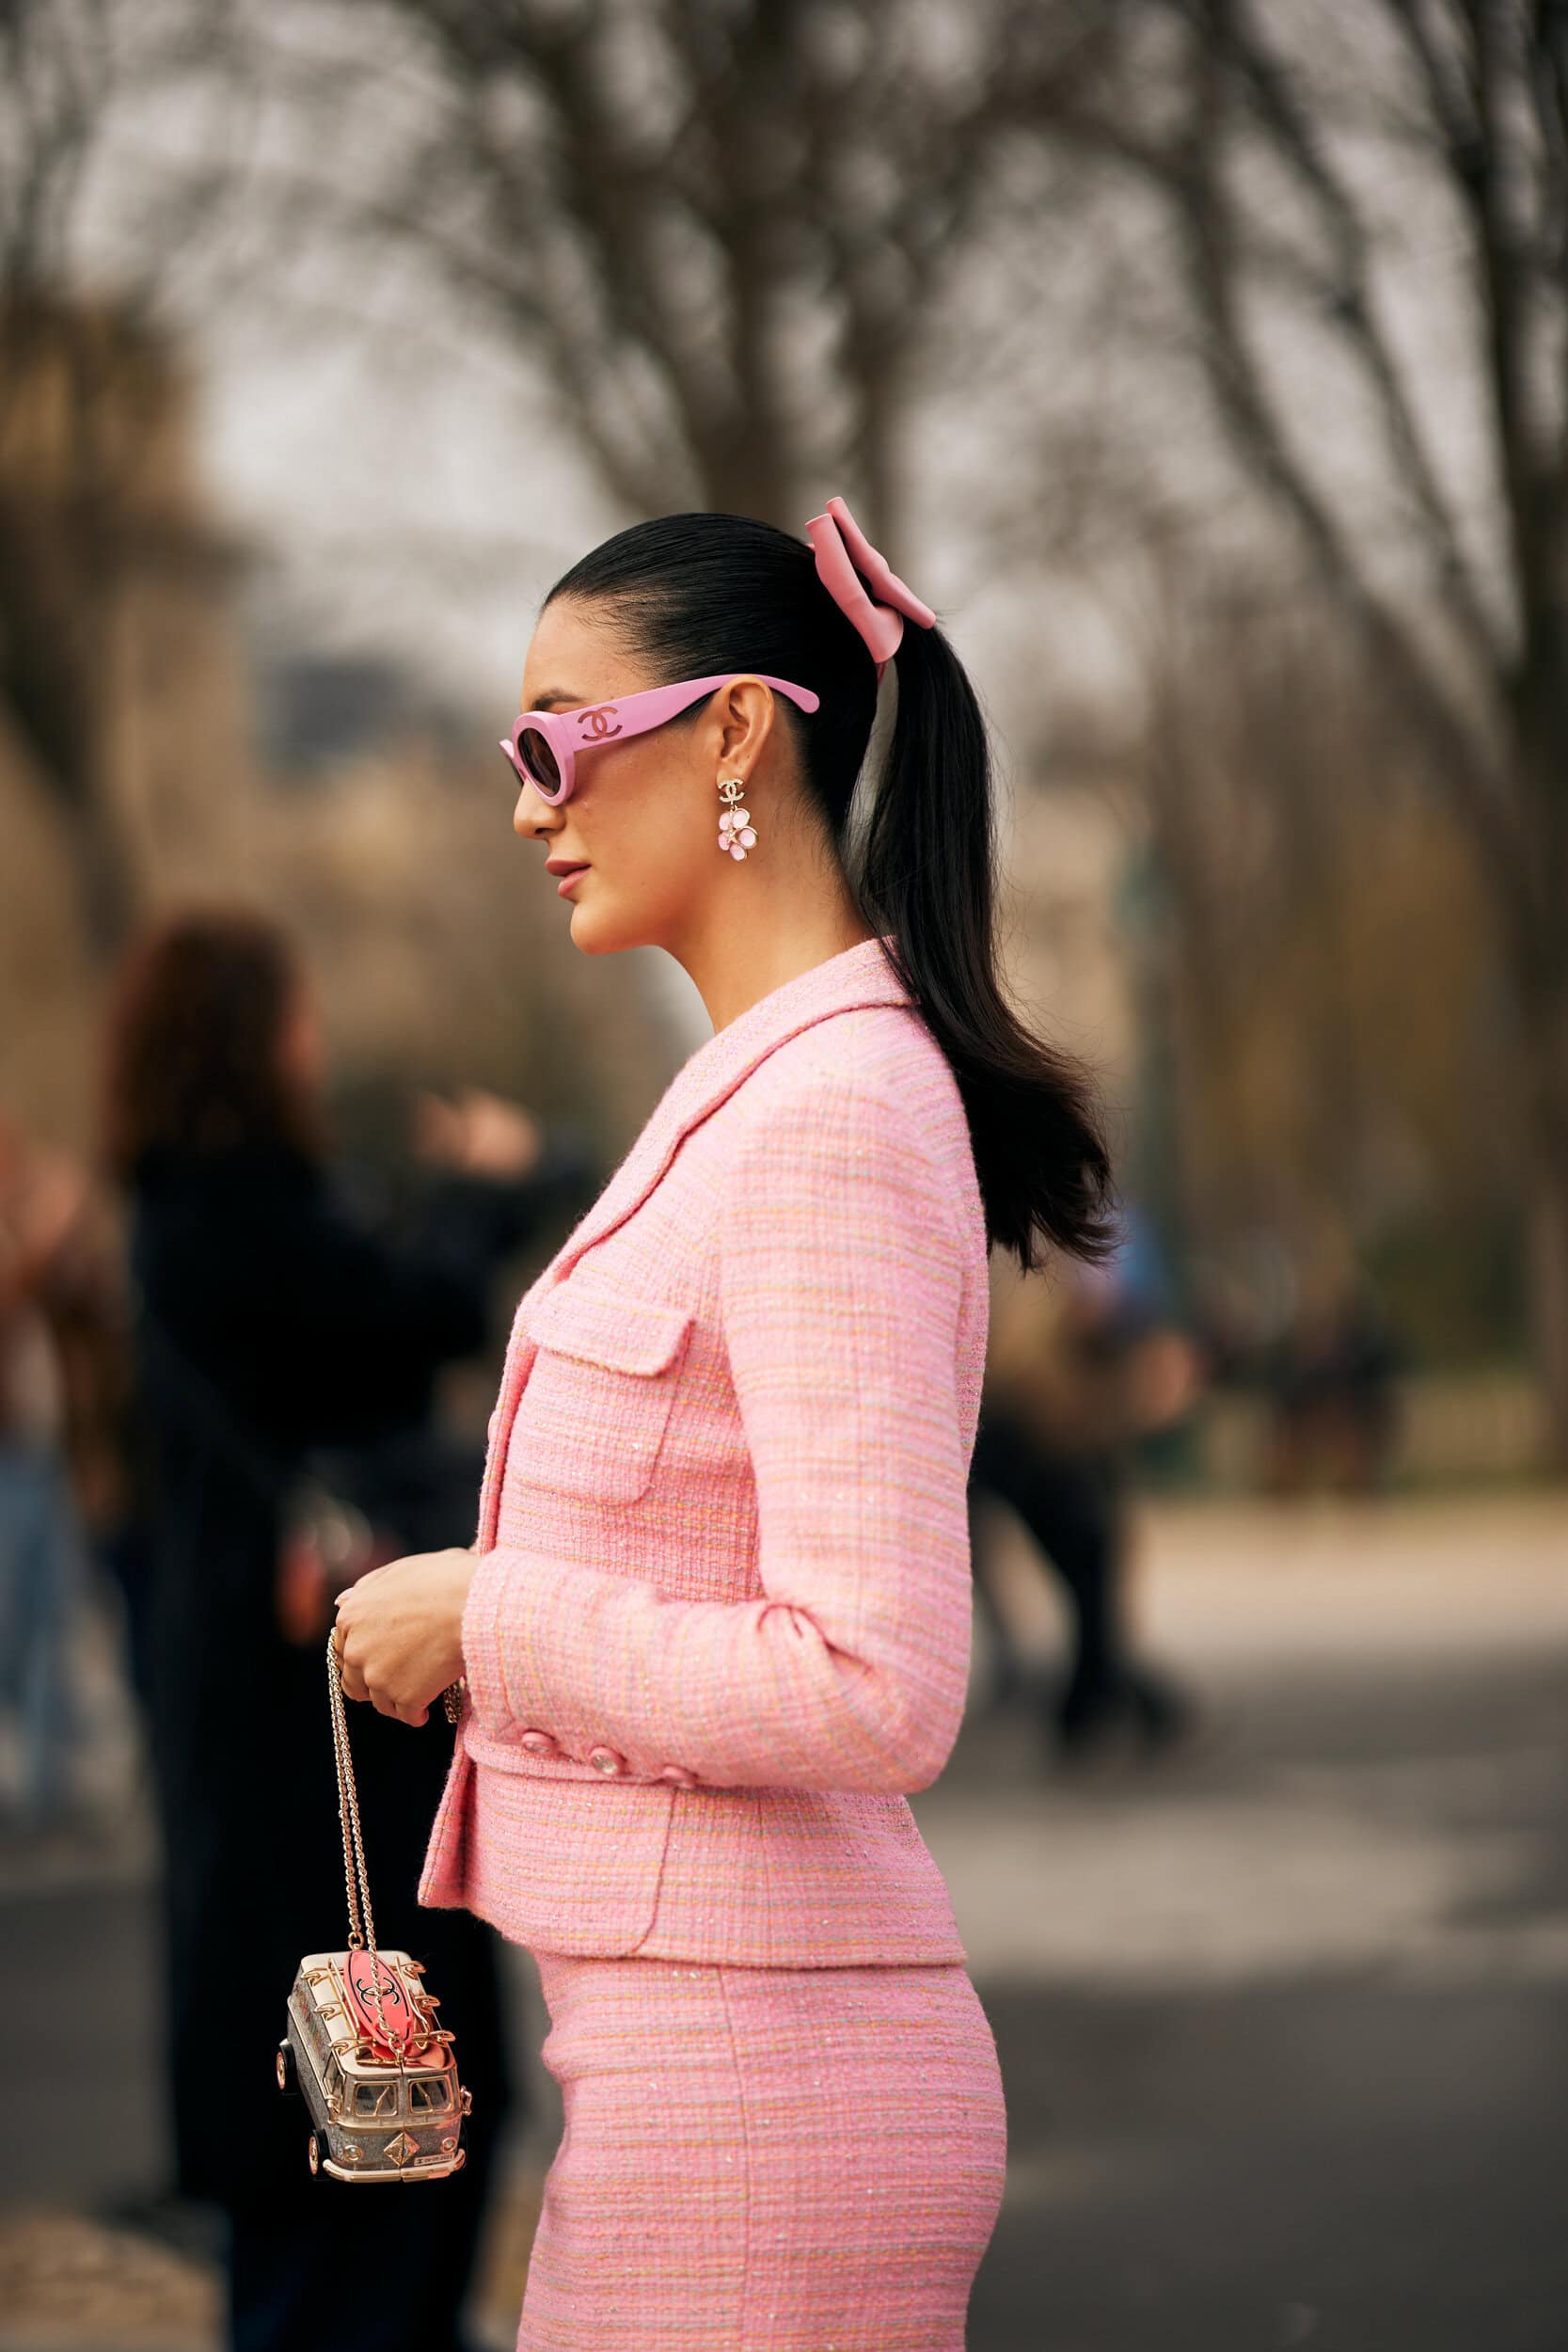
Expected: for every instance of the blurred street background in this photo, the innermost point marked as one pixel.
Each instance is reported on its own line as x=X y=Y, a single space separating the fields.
x=1205 y=362
x=1283 y=2027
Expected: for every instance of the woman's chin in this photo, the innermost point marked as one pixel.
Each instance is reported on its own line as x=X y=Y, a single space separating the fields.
x=592 y=932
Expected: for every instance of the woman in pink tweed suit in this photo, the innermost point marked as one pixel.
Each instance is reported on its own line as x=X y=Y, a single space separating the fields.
x=715 y=1625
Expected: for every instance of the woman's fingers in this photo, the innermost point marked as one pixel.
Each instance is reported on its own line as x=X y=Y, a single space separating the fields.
x=348 y=1672
x=385 y=1704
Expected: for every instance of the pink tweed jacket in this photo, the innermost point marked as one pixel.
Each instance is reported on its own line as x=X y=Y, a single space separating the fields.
x=720 y=1621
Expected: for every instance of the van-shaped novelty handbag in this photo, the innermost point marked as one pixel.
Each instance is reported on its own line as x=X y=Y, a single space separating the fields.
x=362 y=2047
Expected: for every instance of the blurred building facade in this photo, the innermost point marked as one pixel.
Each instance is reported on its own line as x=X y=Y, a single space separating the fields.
x=142 y=722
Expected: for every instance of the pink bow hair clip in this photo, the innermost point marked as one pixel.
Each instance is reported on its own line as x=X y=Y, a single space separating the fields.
x=844 y=553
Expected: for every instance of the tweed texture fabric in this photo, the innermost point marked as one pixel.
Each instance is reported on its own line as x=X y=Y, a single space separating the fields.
x=764 y=2159
x=719 y=1626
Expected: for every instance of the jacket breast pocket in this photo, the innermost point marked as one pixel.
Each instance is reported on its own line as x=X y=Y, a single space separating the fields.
x=594 y=1407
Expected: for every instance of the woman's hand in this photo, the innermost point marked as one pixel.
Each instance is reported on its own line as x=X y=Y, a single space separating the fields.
x=478 y=1134
x=399 y=1635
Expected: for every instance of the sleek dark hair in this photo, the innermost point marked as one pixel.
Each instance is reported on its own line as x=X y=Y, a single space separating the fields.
x=193 y=1067
x=695 y=594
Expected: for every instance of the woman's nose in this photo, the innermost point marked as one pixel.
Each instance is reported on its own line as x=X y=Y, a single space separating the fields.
x=529 y=814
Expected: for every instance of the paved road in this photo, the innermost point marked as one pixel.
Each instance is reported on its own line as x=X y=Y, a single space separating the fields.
x=1283 y=2027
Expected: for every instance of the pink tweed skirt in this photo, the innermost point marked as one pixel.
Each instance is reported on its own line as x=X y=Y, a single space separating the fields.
x=764 y=2159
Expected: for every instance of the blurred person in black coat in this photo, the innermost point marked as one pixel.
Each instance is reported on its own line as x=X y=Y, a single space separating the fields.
x=271 y=1323
x=1078 y=1371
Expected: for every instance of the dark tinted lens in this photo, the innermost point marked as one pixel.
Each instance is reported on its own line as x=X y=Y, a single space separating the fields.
x=537 y=757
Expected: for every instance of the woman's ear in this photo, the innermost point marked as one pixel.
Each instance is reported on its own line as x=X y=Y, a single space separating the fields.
x=745 y=723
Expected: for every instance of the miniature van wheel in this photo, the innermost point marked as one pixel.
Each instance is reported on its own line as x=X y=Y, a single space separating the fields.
x=314 y=2153
x=288 y=2078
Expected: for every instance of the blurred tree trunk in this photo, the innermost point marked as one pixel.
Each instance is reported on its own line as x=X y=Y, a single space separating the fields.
x=98 y=516
x=1253 y=135
x=62 y=551
x=1324 y=965
x=94 y=424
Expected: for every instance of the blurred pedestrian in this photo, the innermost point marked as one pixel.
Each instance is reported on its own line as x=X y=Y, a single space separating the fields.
x=42 y=1562
x=1333 y=1381
x=269 y=1324
x=1081 y=1370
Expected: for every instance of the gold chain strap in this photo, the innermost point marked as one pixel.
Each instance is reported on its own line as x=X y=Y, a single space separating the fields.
x=357 y=1884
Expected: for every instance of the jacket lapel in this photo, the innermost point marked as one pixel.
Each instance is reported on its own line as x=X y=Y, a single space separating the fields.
x=856 y=976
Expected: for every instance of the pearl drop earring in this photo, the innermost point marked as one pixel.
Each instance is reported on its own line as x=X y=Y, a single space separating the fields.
x=734 y=826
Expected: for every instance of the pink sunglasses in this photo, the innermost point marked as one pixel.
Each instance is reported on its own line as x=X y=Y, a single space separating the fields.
x=544 y=744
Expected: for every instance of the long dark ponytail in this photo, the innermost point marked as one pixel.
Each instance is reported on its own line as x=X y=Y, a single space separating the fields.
x=697 y=594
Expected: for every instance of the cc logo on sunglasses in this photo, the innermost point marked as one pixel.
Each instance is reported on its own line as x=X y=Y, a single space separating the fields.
x=594 y=725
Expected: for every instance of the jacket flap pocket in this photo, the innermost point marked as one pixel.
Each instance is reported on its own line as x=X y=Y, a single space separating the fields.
x=607 y=1328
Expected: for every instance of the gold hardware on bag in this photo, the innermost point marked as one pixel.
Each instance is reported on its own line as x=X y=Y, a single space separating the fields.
x=378 y=2075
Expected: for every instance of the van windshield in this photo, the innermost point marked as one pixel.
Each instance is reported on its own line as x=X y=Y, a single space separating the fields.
x=375 y=2098
x=429 y=2098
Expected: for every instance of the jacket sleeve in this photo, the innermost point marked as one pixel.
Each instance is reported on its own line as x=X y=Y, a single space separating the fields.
x=840 y=1284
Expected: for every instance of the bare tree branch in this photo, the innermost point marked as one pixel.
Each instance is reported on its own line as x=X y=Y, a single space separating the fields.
x=715 y=228
x=1352 y=312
